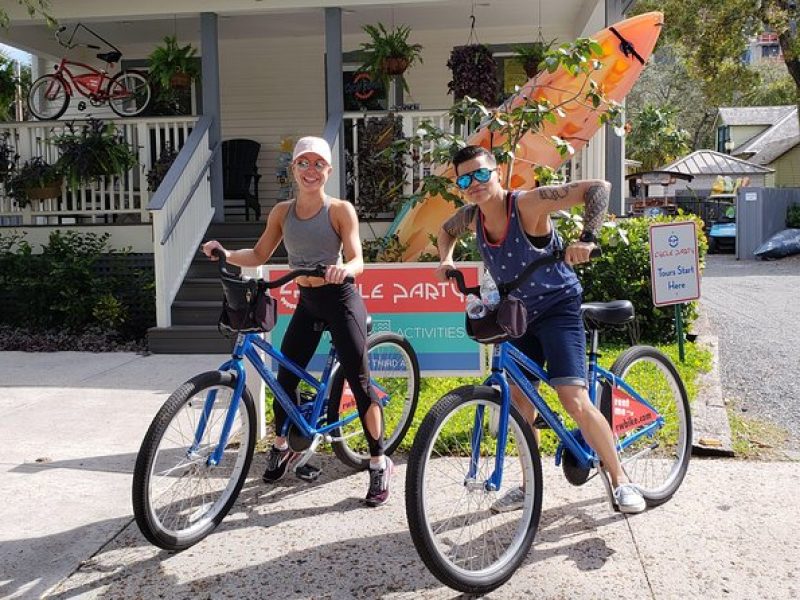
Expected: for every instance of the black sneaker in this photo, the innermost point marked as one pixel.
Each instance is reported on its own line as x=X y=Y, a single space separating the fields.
x=277 y=463
x=378 y=492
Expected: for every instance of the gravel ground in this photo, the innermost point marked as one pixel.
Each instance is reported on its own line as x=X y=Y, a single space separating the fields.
x=754 y=309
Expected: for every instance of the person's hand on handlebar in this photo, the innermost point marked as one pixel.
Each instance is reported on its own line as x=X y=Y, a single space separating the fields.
x=337 y=273
x=211 y=245
x=578 y=252
x=441 y=271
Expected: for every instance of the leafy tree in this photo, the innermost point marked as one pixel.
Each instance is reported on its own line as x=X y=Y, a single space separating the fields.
x=714 y=34
x=665 y=82
x=655 y=139
x=8 y=85
x=34 y=8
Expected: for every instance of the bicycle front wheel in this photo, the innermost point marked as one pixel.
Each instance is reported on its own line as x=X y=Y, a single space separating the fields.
x=394 y=374
x=472 y=538
x=129 y=93
x=656 y=463
x=48 y=97
x=179 y=496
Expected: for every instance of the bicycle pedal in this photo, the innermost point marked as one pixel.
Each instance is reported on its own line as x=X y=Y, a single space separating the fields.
x=308 y=472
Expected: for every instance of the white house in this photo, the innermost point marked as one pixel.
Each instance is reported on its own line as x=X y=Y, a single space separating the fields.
x=271 y=70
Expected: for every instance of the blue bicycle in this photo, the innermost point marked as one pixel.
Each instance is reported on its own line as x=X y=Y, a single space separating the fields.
x=197 y=452
x=474 y=448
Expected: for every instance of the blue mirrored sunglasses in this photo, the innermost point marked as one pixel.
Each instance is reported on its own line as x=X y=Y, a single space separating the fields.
x=481 y=175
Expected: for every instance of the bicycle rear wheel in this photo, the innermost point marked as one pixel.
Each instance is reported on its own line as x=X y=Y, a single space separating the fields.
x=656 y=463
x=48 y=97
x=460 y=534
x=178 y=497
x=129 y=93
x=394 y=373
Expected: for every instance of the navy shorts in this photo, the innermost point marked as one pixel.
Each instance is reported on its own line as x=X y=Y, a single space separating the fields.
x=556 y=339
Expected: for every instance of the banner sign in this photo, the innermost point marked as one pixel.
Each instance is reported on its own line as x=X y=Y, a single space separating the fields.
x=403 y=298
x=674 y=269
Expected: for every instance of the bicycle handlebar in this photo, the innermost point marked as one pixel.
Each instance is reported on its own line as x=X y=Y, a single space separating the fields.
x=557 y=256
x=318 y=271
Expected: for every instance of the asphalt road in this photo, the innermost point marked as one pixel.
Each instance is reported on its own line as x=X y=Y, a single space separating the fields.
x=754 y=309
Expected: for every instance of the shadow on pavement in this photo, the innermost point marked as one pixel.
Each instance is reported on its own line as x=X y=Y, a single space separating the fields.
x=362 y=567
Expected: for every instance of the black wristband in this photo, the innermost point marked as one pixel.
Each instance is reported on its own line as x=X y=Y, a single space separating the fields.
x=587 y=237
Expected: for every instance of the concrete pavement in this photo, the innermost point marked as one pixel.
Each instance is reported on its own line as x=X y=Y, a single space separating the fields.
x=71 y=424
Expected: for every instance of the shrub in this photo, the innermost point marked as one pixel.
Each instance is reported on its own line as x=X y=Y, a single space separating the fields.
x=793 y=216
x=623 y=273
x=64 y=288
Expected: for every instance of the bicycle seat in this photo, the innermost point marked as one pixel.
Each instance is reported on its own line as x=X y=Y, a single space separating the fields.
x=110 y=57
x=615 y=312
x=322 y=326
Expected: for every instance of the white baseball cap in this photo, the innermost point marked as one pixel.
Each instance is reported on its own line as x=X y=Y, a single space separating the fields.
x=311 y=144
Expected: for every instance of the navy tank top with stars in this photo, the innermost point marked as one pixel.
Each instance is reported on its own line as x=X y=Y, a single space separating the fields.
x=507 y=258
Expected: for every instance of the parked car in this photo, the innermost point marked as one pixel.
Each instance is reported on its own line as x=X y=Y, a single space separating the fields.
x=721 y=216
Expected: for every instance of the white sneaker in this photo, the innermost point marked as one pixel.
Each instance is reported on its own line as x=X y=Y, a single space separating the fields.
x=514 y=499
x=629 y=499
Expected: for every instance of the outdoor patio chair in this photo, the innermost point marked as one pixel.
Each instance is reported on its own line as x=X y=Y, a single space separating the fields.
x=240 y=178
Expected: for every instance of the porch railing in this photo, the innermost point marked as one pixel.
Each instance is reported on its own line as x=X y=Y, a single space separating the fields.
x=411 y=120
x=181 y=210
x=122 y=198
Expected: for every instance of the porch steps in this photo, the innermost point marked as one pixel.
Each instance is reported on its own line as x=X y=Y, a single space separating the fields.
x=198 y=303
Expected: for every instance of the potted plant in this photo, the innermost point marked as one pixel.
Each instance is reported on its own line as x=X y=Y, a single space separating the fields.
x=173 y=66
x=8 y=156
x=35 y=180
x=388 y=53
x=530 y=56
x=93 y=151
x=165 y=159
x=474 y=74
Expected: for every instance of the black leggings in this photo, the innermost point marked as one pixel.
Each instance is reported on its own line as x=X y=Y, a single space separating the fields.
x=342 y=309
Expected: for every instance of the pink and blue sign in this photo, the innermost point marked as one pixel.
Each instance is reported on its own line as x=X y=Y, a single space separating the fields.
x=404 y=298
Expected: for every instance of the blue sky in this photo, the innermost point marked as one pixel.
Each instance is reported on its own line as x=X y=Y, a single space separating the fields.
x=15 y=54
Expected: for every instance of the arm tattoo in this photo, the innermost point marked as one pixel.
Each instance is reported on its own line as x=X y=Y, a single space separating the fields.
x=596 y=203
x=459 y=223
x=555 y=192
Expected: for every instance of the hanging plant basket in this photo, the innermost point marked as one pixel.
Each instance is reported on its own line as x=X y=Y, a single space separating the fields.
x=531 y=68
x=474 y=74
x=180 y=80
x=394 y=65
x=530 y=56
x=52 y=190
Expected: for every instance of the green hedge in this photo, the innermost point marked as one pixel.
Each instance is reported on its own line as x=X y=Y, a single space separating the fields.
x=77 y=281
x=623 y=273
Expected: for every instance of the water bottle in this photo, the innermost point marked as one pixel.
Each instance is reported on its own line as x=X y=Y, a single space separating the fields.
x=489 y=292
x=475 y=307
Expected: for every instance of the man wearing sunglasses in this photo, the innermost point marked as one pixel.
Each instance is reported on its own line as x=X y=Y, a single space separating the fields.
x=513 y=230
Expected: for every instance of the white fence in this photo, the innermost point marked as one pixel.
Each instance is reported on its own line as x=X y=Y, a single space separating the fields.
x=181 y=212
x=120 y=199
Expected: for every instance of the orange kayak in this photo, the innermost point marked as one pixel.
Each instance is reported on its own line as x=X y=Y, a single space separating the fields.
x=626 y=47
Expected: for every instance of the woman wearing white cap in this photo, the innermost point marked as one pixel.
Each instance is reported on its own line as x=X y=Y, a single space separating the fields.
x=316 y=230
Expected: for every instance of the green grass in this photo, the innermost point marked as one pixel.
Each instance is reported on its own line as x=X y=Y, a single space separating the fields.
x=755 y=439
x=698 y=360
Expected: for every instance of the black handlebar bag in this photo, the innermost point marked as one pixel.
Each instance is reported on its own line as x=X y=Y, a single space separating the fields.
x=508 y=320
x=247 y=306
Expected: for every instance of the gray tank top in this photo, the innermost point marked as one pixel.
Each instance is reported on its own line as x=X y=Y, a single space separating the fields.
x=311 y=242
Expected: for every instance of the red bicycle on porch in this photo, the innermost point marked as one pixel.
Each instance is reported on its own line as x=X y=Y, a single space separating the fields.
x=128 y=93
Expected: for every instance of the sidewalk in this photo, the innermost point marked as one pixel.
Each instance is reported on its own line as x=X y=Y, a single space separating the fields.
x=66 y=528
